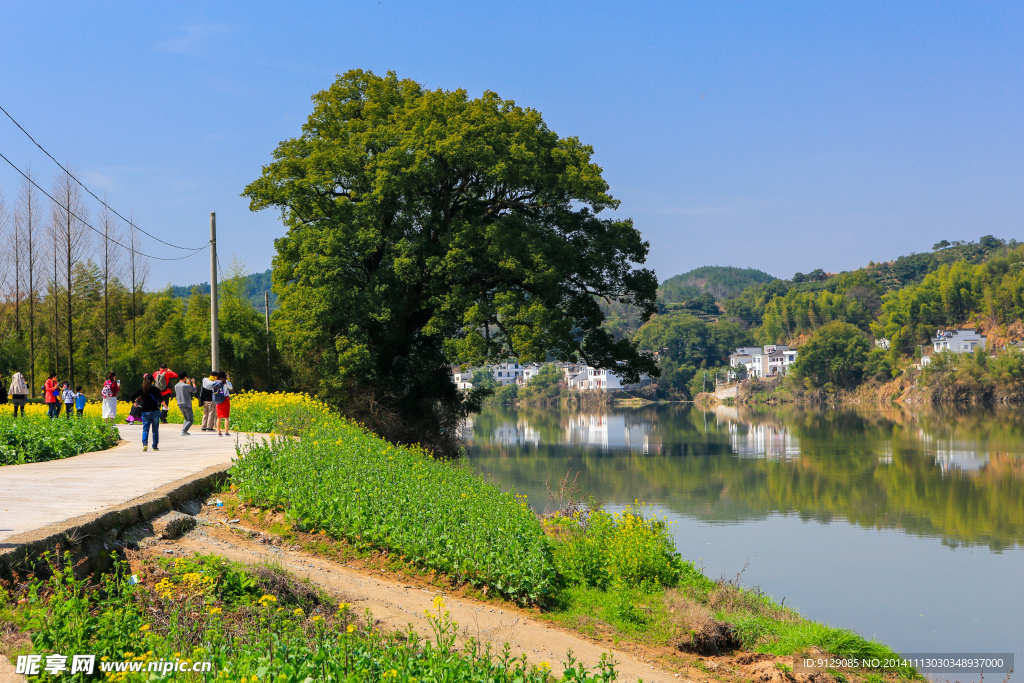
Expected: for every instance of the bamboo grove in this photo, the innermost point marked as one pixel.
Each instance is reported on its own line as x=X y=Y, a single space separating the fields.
x=74 y=301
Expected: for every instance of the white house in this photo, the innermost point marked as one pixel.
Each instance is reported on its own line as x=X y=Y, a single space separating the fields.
x=463 y=380
x=882 y=343
x=766 y=361
x=508 y=373
x=958 y=341
x=530 y=371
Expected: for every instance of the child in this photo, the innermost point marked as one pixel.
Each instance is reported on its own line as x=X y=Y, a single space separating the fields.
x=135 y=414
x=69 y=399
x=79 y=401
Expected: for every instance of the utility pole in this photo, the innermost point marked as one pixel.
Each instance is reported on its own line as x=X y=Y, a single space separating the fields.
x=214 y=338
x=266 y=306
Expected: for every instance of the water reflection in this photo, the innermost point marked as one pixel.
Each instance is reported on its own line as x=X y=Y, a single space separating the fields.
x=957 y=475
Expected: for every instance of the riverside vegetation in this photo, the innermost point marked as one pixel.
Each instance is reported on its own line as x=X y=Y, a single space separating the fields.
x=603 y=574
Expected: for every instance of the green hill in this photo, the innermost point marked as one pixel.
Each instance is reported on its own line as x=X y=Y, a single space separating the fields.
x=255 y=285
x=721 y=282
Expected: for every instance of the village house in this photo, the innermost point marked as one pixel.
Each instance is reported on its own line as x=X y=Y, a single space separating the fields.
x=463 y=380
x=766 y=361
x=508 y=373
x=577 y=376
x=958 y=341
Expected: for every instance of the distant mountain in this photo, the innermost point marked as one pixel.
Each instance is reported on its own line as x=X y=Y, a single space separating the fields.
x=721 y=282
x=256 y=284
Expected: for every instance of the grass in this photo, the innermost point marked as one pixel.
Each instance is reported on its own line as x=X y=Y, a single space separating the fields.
x=37 y=439
x=252 y=624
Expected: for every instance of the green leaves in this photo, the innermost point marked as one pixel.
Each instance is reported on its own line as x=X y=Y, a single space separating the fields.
x=342 y=480
x=31 y=439
x=427 y=228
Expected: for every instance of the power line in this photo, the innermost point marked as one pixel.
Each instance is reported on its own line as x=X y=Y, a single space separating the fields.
x=86 y=224
x=72 y=175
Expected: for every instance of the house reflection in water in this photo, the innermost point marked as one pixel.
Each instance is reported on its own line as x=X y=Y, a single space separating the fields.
x=952 y=455
x=763 y=440
x=610 y=432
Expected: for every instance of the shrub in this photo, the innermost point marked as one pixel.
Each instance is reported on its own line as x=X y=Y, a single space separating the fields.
x=343 y=480
x=598 y=549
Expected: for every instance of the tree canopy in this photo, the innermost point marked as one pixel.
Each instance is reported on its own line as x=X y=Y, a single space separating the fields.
x=834 y=356
x=425 y=229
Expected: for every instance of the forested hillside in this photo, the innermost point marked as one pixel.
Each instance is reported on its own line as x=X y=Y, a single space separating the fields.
x=904 y=301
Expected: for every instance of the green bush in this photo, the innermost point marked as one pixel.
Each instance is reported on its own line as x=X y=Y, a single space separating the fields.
x=601 y=550
x=37 y=439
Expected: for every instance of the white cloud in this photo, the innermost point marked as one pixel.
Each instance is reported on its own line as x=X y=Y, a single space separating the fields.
x=190 y=39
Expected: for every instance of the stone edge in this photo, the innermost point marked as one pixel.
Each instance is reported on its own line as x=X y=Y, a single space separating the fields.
x=91 y=537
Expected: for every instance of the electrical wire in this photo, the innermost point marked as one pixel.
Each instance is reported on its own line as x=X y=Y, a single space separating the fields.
x=72 y=176
x=86 y=224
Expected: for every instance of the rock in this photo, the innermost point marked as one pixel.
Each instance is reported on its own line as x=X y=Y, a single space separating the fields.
x=173 y=524
x=191 y=507
x=136 y=535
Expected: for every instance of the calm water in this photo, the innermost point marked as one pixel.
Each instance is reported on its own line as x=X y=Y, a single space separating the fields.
x=905 y=526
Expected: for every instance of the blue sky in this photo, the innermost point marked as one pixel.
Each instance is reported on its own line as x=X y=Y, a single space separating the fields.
x=783 y=136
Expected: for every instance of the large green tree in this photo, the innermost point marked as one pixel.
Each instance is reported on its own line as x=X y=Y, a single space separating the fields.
x=834 y=356
x=426 y=228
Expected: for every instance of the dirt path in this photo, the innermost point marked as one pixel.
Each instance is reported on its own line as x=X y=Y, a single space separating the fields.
x=395 y=605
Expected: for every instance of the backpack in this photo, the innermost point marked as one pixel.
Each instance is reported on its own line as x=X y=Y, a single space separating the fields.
x=160 y=380
x=107 y=392
x=218 y=392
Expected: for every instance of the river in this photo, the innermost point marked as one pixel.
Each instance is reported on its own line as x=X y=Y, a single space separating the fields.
x=906 y=526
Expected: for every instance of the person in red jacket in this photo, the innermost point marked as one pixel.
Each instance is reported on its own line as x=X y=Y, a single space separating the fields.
x=52 y=405
x=162 y=380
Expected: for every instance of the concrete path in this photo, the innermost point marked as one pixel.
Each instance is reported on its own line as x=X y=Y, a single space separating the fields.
x=38 y=494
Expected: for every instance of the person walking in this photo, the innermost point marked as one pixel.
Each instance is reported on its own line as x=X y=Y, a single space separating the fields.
x=109 y=396
x=222 y=399
x=150 y=398
x=68 y=395
x=50 y=396
x=80 y=401
x=184 y=390
x=206 y=401
x=19 y=393
x=162 y=379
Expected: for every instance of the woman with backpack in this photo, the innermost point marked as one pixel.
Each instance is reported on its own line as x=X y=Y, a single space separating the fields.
x=150 y=398
x=109 y=395
x=19 y=393
x=222 y=399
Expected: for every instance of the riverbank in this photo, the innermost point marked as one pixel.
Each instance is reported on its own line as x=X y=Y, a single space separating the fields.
x=910 y=388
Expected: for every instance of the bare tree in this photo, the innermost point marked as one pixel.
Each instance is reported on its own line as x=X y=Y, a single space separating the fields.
x=5 y=225
x=110 y=260
x=26 y=221
x=138 y=267
x=71 y=241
